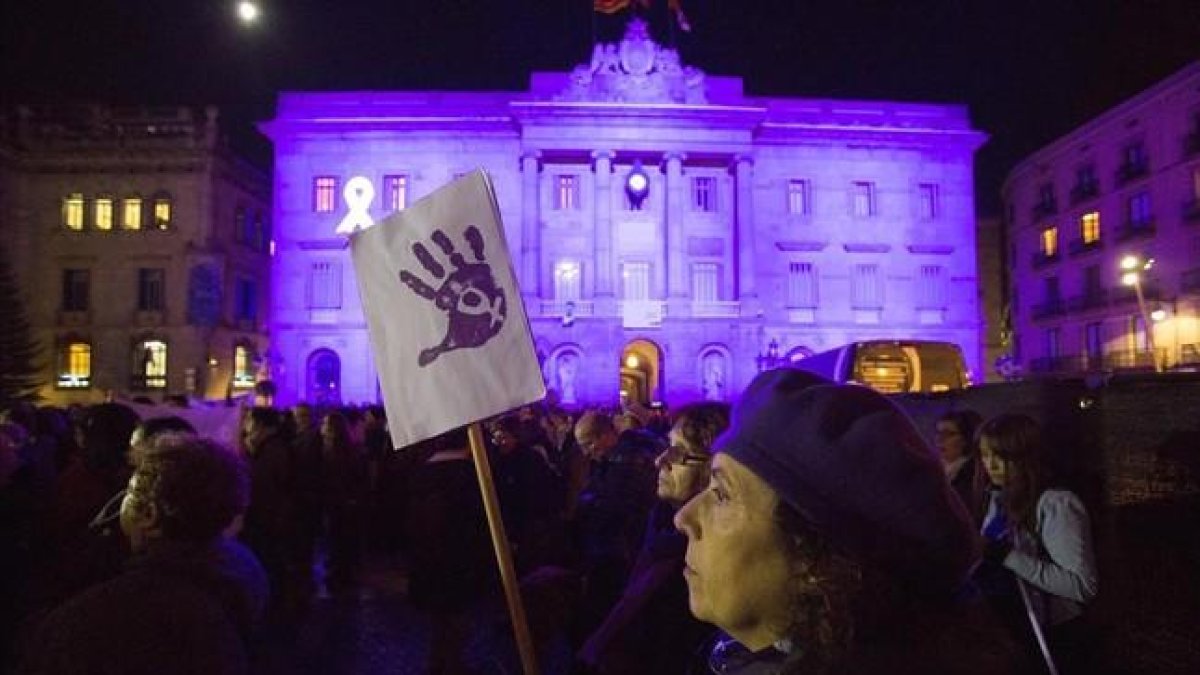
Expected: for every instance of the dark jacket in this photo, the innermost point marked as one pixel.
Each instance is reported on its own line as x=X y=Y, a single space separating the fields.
x=970 y=483
x=615 y=502
x=179 y=608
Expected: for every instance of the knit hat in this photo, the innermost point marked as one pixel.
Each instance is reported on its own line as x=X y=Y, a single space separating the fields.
x=857 y=470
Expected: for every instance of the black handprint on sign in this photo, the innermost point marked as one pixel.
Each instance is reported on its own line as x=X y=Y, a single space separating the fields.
x=469 y=294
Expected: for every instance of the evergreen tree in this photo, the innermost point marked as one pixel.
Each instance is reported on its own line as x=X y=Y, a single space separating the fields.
x=19 y=351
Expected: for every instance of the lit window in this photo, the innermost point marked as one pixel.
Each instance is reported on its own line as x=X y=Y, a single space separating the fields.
x=799 y=195
x=706 y=282
x=243 y=366
x=75 y=366
x=325 y=285
x=395 y=192
x=73 y=211
x=131 y=213
x=151 y=283
x=1049 y=242
x=864 y=199
x=76 y=290
x=635 y=281
x=868 y=288
x=1089 y=227
x=103 y=213
x=566 y=192
x=567 y=280
x=324 y=194
x=150 y=365
x=929 y=201
x=704 y=193
x=802 y=285
x=162 y=212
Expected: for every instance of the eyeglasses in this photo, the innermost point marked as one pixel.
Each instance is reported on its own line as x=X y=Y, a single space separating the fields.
x=679 y=456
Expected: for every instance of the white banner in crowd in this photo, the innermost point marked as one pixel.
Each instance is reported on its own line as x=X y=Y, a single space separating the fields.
x=448 y=329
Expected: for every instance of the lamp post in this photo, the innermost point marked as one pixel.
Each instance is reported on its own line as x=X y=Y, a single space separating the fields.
x=769 y=360
x=1133 y=267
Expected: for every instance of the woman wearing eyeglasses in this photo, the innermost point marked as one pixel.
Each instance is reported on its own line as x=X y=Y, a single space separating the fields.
x=650 y=630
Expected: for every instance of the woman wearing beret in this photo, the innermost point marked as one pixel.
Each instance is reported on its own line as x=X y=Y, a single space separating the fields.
x=1041 y=534
x=829 y=541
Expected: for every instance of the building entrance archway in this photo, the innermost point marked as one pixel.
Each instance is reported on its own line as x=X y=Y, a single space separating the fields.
x=641 y=372
x=324 y=377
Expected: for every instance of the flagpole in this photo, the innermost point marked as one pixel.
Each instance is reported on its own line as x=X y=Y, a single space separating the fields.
x=508 y=576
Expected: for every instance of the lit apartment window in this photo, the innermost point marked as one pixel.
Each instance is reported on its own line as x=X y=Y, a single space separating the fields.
x=245 y=306
x=1089 y=227
x=802 y=285
x=566 y=192
x=150 y=364
x=103 y=213
x=76 y=290
x=704 y=193
x=568 y=279
x=151 y=284
x=635 y=281
x=243 y=366
x=1139 y=210
x=131 y=213
x=928 y=194
x=1048 y=241
x=395 y=192
x=325 y=285
x=863 y=194
x=324 y=194
x=932 y=292
x=75 y=365
x=799 y=196
x=868 y=287
x=73 y=211
x=162 y=212
x=706 y=282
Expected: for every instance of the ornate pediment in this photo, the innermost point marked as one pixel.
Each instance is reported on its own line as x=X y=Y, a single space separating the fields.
x=635 y=70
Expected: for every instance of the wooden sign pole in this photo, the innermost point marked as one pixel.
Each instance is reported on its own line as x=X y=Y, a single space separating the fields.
x=508 y=575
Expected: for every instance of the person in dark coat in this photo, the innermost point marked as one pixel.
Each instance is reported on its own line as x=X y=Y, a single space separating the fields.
x=650 y=627
x=190 y=599
x=271 y=529
x=954 y=436
x=531 y=497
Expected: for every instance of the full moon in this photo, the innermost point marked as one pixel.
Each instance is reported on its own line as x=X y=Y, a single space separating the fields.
x=247 y=11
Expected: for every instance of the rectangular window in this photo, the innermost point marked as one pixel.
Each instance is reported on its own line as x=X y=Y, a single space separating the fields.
x=243 y=366
x=103 y=212
x=704 y=193
x=932 y=293
x=395 y=192
x=1046 y=196
x=162 y=212
x=799 y=197
x=706 y=282
x=1093 y=343
x=325 y=285
x=635 y=281
x=568 y=278
x=131 y=213
x=151 y=364
x=151 y=289
x=868 y=287
x=928 y=193
x=75 y=366
x=73 y=211
x=324 y=194
x=1085 y=177
x=863 y=194
x=1049 y=242
x=76 y=290
x=803 y=291
x=1091 y=280
x=246 y=300
x=1050 y=290
x=1089 y=227
x=566 y=192
x=1135 y=156
x=1139 y=211
x=1053 y=345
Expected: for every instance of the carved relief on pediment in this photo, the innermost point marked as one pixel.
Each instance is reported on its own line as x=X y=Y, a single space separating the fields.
x=636 y=70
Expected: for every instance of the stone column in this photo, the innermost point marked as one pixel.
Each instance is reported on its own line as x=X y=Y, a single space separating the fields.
x=603 y=234
x=531 y=235
x=744 y=180
x=676 y=199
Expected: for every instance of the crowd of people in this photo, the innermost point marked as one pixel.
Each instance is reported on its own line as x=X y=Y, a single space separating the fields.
x=810 y=528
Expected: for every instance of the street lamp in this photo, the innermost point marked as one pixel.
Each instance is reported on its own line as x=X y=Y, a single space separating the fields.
x=771 y=359
x=1132 y=267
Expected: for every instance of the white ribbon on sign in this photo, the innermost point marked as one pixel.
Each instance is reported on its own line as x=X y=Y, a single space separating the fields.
x=358 y=193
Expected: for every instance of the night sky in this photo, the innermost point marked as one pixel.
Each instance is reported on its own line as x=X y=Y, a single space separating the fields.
x=1029 y=70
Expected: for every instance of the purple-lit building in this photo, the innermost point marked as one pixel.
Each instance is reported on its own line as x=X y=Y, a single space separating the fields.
x=763 y=229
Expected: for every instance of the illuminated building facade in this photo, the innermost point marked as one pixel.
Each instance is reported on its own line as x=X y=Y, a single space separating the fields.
x=141 y=242
x=672 y=234
x=1123 y=187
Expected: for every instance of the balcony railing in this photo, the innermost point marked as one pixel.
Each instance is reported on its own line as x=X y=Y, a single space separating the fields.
x=1041 y=258
x=1191 y=211
x=1127 y=294
x=1133 y=359
x=1134 y=229
x=1084 y=191
x=716 y=310
x=1045 y=207
x=1052 y=307
x=1079 y=246
x=1132 y=171
x=563 y=307
x=1189 y=280
x=1092 y=299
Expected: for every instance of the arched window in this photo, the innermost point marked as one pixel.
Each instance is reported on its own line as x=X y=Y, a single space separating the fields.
x=324 y=377
x=244 y=359
x=75 y=364
x=150 y=364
